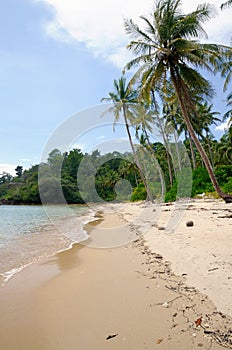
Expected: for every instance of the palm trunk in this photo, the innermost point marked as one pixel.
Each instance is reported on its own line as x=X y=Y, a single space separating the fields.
x=184 y=98
x=177 y=149
x=192 y=152
x=165 y=143
x=210 y=149
x=135 y=156
x=159 y=168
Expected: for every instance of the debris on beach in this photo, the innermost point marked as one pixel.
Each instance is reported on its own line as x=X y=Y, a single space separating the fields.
x=165 y=304
x=158 y=341
x=209 y=325
x=198 y=322
x=189 y=223
x=229 y=216
x=161 y=228
x=111 y=336
x=213 y=269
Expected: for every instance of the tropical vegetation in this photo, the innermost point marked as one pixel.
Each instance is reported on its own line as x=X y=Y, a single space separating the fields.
x=169 y=93
x=168 y=53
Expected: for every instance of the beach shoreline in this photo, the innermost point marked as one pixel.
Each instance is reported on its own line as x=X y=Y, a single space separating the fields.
x=55 y=235
x=132 y=294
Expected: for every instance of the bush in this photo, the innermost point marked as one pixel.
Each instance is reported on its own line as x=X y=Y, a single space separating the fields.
x=228 y=186
x=201 y=182
x=170 y=196
x=223 y=174
x=139 y=193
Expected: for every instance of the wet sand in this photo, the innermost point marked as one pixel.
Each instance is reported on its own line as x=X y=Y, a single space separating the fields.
x=113 y=298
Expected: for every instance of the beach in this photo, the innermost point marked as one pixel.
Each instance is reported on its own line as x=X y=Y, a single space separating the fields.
x=143 y=280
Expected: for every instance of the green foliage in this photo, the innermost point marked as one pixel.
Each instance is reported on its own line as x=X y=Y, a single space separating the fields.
x=108 y=177
x=161 y=156
x=228 y=186
x=223 y=173
x=170 y=195
x=139 y=193
x=201 y=182
x=19 y=170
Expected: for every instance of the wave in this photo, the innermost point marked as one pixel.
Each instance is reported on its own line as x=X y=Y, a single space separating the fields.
x=58 y=235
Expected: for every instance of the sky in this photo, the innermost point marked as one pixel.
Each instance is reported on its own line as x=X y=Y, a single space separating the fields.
x=59 y=57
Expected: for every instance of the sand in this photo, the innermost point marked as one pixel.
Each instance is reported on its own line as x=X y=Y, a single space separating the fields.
x=202 y=252
x=144 y=294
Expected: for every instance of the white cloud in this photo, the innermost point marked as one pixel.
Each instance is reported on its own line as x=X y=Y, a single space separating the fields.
x=7 y=168
x=223 y=126
x=219 y=27
x=99 y=24
x=25 y=160
x=96 y=24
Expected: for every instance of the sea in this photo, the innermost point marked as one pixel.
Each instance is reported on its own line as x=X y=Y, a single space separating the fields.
x=31 y=233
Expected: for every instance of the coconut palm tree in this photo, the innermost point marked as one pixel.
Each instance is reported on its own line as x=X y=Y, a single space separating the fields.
x=168 y=49
x=228 y=114
x=226 y=4
x=224 y=149
x=125 y=102
x=145 y=121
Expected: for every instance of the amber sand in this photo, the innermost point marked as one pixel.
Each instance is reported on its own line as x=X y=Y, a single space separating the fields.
x=143 y=280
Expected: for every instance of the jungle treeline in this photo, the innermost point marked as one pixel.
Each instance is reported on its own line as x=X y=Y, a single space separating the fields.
x=102 y=178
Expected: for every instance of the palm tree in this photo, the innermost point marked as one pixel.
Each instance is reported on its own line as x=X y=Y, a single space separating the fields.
x=168 y=50
x=226 y=4
x=224 y=149
x=145 y=120
x=208 y=117
x=126 y=103
x=228 y=114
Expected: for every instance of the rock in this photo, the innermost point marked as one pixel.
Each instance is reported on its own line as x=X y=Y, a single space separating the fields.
x=189 y=223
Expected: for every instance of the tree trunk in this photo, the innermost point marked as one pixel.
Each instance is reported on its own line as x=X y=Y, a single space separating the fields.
x=135 y=156
x=177 y=149
x=210 y=149
x=184 y=99
x=165 y=143
x=192 y=152
x=159 y=168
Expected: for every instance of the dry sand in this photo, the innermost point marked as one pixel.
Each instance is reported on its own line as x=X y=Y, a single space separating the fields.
x=203 y=252
x=80 y=297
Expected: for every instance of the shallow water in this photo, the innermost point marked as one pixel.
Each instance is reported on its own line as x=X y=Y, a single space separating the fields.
x=30 y=233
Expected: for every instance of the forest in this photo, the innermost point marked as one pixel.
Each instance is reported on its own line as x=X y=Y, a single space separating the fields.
x=108 y=171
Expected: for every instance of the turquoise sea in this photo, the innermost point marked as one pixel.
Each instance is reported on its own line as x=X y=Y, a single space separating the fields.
x=31 y=233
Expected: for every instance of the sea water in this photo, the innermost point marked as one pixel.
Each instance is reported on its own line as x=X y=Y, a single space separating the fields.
x=30 y=233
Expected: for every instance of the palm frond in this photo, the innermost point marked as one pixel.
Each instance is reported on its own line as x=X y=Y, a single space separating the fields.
x=133 y=29
x=226 y=4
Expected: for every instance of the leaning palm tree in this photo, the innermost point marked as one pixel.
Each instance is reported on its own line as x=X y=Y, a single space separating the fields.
x=168 y=50
x=125 y=102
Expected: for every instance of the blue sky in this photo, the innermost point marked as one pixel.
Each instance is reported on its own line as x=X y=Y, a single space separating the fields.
x=58 y=57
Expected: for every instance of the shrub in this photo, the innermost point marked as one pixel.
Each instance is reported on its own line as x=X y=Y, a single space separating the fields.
x=139 y=193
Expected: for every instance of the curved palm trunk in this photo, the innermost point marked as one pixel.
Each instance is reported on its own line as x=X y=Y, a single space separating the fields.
x=183 y=97
x=135 y=156
x=210 y=150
